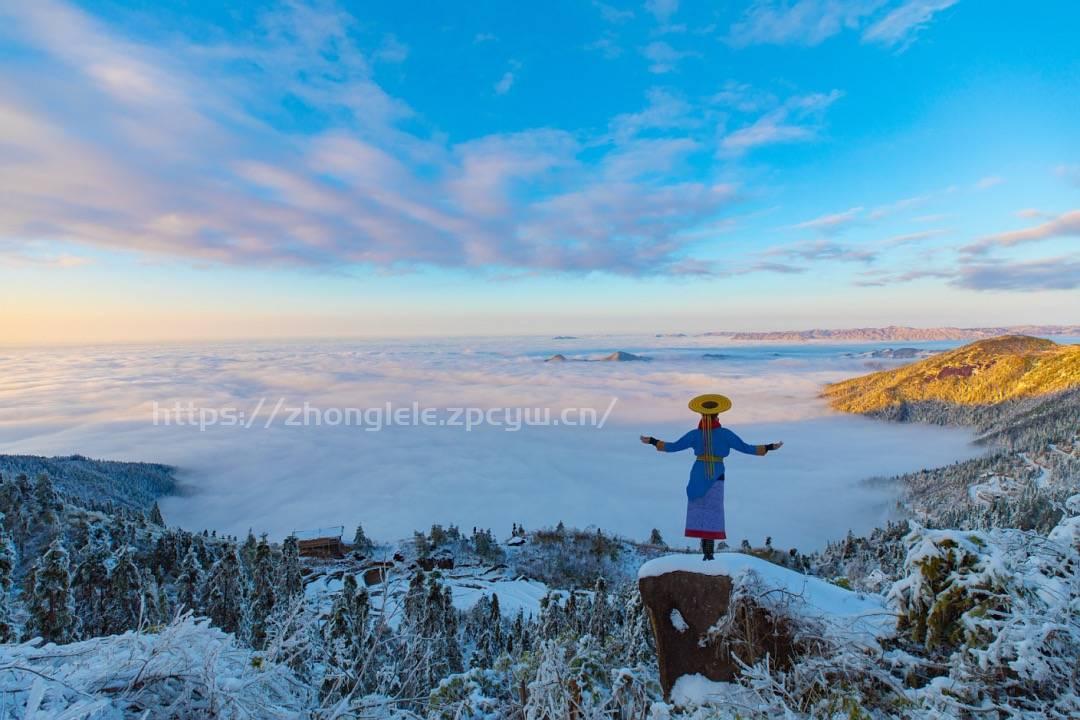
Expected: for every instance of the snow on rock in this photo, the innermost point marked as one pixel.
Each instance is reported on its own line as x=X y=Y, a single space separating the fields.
x=677 y=621
x=696 y=690
x=187 y=665
x=840 y=607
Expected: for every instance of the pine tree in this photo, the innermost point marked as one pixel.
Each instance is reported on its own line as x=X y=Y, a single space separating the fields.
x=264 y=595
x=51 y=606
x=156 y=517
x=348 y=642
x=8 y=560
x=551 y=617
x=47 y=508
x=635 y=641
x=123 y=605
x=599 y=622
x=13 y=505
x=421 y=544
x=449 y=628
x=153 y=612
x=226 y=593
x=45 y=497
x=189 y=582
x=292 y=580
x=361 y=542
x=90 y=583
x=655 y=538
x=489 y=640
x=430 y=625
x=520 y=640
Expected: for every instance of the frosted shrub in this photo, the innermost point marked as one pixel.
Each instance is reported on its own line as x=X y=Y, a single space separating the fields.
x=1001 y=609
x=189 y=669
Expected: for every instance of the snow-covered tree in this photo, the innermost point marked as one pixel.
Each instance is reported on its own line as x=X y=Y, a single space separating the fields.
x=292 y=580
x=430 y=633
x=225 y=593
x=635 y=644
x=123 y=602
x=8 y=560
x=264 y=594
x=361 y=542
x=90 y=582
x=488 y=629
x=348 y=642
x=189 y=581
x=599 y=621
x=51 y=605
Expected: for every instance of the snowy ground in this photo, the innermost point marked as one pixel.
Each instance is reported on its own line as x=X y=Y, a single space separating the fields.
x=467 y=584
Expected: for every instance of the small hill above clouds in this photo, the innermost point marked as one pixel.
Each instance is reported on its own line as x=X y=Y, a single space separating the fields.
x=981 y=373
x=622 y=356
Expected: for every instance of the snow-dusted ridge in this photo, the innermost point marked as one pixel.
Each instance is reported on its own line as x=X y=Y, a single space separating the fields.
x=864 y=612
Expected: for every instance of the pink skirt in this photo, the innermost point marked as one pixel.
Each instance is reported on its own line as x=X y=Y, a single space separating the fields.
x=705 y=515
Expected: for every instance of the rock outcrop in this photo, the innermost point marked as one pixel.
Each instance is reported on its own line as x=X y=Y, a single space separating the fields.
x=704 y=615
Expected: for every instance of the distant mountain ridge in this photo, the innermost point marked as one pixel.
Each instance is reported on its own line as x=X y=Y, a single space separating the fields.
x=984 y=372
x=897 y=333
x=134 y=485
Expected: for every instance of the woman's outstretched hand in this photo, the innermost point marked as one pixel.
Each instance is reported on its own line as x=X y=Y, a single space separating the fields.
x=646 y=439
x=775 y=446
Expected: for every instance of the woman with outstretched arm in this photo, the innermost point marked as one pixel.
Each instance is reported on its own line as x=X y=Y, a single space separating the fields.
x=705 y=492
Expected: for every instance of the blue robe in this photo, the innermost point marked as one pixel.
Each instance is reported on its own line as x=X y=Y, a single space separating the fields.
x=705 y=491
x=723 y=442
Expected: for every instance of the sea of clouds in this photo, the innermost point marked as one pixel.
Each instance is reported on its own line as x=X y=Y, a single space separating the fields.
x=274 y=476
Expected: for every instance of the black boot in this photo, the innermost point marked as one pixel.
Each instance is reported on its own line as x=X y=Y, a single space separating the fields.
x=707 y=547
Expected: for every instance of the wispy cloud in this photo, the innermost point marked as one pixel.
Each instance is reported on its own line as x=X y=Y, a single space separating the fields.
x=883 y=211
x=910 y=238
x=607 y=46
x=505 y=83
x=663 y=58
x=804 y=22
x=799 y=119
x=900 y=26
x=612 y=14
x=665 y=111
x=832 y=223
x=662 y=10
x=743 y=98
x=1066 y=224
x=988 y=182
x=824 y=250
x=1060 y=273
x=811 y=22
x=392 y=50
x=776 y=267
x=883 y=278
x=13 y=255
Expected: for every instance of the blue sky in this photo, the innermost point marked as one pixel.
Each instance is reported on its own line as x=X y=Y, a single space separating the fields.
x=180 y=169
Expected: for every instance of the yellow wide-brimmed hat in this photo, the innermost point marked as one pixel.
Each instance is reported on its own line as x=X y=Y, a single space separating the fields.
x=710 y=404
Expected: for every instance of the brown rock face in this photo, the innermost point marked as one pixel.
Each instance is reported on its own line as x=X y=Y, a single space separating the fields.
x=688 y=648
